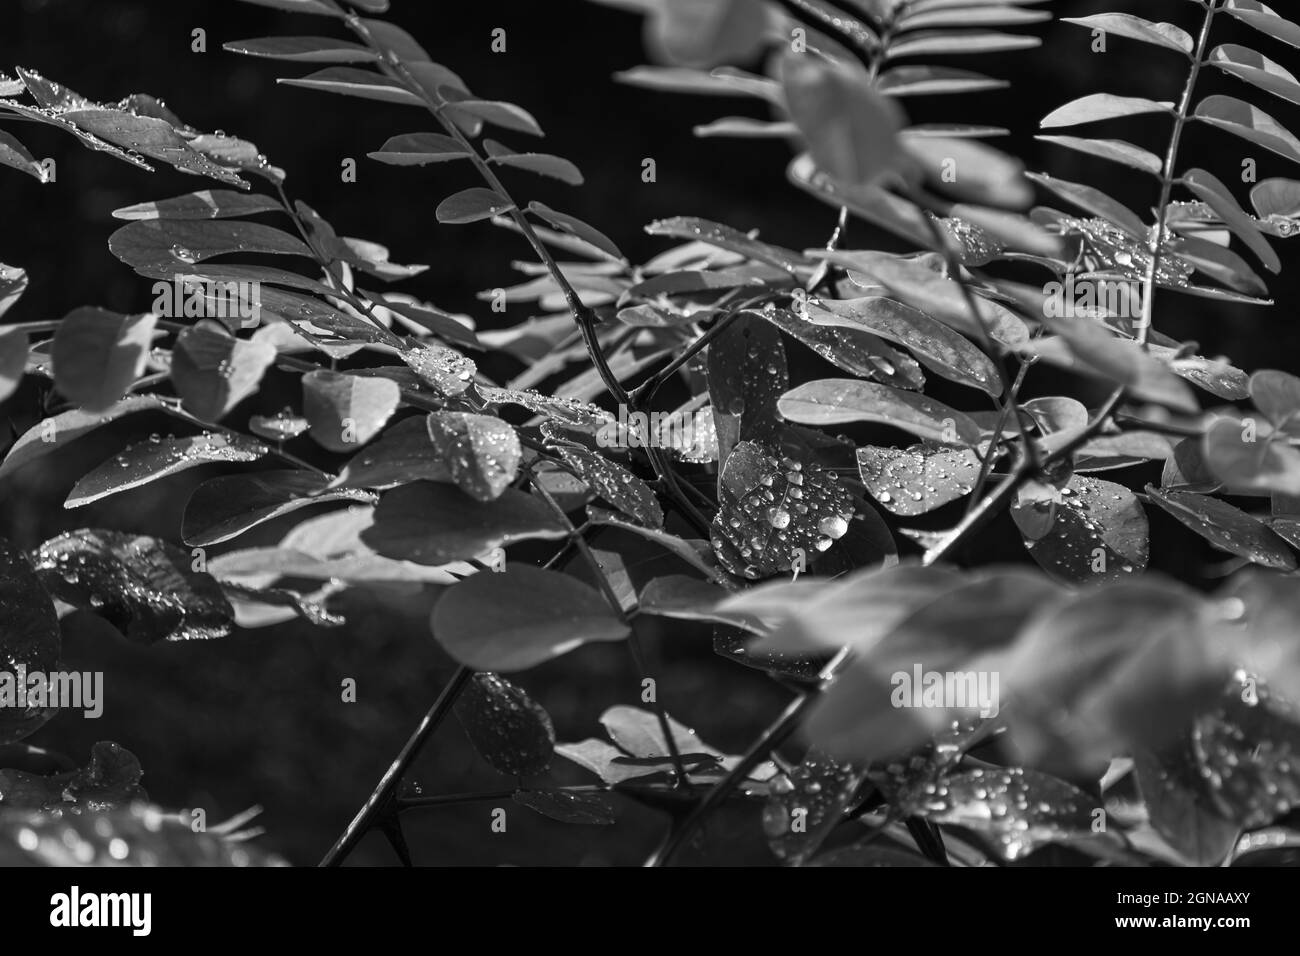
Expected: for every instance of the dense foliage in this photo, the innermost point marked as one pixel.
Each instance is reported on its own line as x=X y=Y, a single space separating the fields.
x=798 y=449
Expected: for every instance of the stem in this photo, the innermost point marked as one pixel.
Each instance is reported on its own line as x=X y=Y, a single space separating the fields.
x=612 y=599
x=1155 y=246
x=1021 y=472
x=382 y=801
x=776 y=734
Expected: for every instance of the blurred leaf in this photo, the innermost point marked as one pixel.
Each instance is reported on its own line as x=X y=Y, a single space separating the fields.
x=851 y=130
x=59 y=430
x=519 y=618
x=99 y=354
x=433 y=523
x=706 y=32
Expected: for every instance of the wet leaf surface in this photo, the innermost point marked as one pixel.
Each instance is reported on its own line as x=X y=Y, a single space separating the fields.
x=143 y=586
x=509 y=729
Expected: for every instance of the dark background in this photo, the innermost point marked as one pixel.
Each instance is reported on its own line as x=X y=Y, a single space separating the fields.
x=256 y=718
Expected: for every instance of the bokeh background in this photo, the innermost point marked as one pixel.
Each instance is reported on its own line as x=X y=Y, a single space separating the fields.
x=257 y=718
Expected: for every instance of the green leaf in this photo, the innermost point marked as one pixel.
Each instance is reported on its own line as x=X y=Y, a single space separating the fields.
x=934 y=81
x=150 y=835
x=1116 y=150
x=303 y=49
x=225 y=507
x=919 y=479
x=746 y=367
x=798 y=817
x=144 y=587
x=1179 y=805
x=419 y=149
x=614 y=483
x=1248 y=748
x=1089 y=530
x=1245 y=458
x=506 y=115
x=204 y=204
x=157 y=458
x=576 y=227
x=1215 y=194
x=1014 y=809
x=1102 y=106
x=110 y=781
x=1277 y=395
x=346 y=411
x=915 y=282
x=855 y=351
x=174 y=245
x=56 y=432
x=1114 y=667
x=1251 y=124
x=521 y=617
x=1135 y=28
x=350 y=81
x=970 y=171
x=1096 y=202
x=213 y=371
x=509 y=729
x=402 y=454
x=776 y=512
x=472 y=205
x=29 y=637
x=705 y=33
x=434 y=523
x=852 y=131
x=1227 y=528
x=98 y=354
x=149 y=136
x=15 y=155
x=1122 y=361
x=481 y=451
x=1256 y=69
x=544 y=164
x=442 y=368
x=953 y=43
x=13 y=283
x=716 y=234
x=1265 y=20
x=837 y=401
x=935 y=345
x=567 y=807
x=14 y=348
